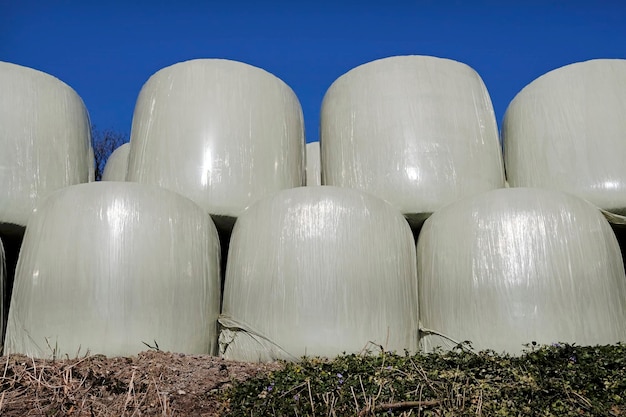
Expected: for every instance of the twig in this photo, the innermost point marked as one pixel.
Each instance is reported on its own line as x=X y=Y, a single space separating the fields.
x=6 y=367
x=479 y=406
x=291 y=389
x=356 y=402
x=78 y=362
x=380 y=390
x=398 y=406
x=330 y=401
x=362 y=388
x=308 y=383
x=419 y=410
x=583 y=399
x=163 y=402
x=35 y=371
x=130 y=393
x=423 y=374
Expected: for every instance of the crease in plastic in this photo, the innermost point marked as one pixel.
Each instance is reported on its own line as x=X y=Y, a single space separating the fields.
x=266 y=350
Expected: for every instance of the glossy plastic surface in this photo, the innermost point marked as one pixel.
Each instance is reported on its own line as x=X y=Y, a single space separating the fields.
x=567 y=131
x=117 y=164
x=45 y=140
x=417 y=131
x=319 y=271
x=313 y=166
x=220 y=132
x=107 y=266
x=517 y=265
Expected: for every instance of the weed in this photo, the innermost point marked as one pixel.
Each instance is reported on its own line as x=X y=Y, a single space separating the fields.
x=155 y=347
x=556 y=380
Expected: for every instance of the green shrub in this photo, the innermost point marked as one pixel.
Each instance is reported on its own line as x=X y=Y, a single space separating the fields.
x=556 y=380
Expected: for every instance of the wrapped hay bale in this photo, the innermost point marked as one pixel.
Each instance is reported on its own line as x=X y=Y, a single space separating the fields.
x=45 y=140
x=417 y=131
x=517 y=265
x=3 y=291
x=567 y=131
x=109 y=267
x=318 y=271
x=220 y=132
x=117 y=164
x=313 y=166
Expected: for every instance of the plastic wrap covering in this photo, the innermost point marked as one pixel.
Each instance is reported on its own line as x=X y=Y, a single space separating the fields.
x=220 y=132
x=566 y=131
x=318 y=271
x=417 y=131
x=313 y=167
x=107 y=266
x=518 y=265
x=117 y=164
x=3 y=290
x=45 y=140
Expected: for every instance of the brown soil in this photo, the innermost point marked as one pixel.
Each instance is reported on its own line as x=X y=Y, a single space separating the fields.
x=150 y=384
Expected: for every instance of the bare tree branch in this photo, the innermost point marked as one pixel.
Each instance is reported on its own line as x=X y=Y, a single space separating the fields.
x=104 y=142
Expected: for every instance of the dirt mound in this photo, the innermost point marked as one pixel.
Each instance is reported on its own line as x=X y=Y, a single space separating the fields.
x=150 y=384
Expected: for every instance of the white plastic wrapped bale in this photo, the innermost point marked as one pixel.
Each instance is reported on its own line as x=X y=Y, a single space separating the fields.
x=117 y=164
x=107 y=266
x=313 y=166
x=567 y=131
x=518 y=265
x=319 y=271
x=45 y=140
x=220 y=132
x=417 y=131
x=3 y=291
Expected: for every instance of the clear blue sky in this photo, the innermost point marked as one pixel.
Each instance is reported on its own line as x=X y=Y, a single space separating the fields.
x=106 y=52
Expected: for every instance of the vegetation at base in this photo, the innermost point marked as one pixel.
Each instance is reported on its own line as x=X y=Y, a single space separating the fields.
x=556 y=380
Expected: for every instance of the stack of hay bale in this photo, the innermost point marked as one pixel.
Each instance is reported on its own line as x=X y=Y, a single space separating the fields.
x=208 y=198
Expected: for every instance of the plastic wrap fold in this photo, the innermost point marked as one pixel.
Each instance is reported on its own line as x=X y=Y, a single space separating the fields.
x=45 y=140
x=417 y=131
x=220 y=132
x=319 y=271
x=117 y=164
x=567 y=131
x=313 y=164
x=106 y=267
x=518 y=265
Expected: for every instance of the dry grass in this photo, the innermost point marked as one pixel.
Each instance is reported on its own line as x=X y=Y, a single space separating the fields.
x=151 y=384
x=559 y=380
